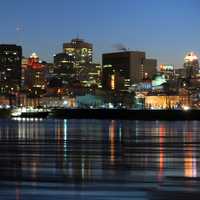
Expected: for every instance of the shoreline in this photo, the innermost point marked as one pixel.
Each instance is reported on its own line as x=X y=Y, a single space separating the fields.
x=149 y=115
x=123 y=114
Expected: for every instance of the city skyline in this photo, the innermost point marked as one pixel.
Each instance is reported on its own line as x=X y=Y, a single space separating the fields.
x=165 y=30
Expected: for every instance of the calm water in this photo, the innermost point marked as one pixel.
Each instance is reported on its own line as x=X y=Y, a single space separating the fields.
x=97 y=160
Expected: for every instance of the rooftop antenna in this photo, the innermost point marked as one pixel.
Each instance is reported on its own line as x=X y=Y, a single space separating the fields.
x=19 y=30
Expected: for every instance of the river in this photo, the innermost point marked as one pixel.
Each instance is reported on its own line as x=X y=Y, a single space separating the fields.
x=99 y=159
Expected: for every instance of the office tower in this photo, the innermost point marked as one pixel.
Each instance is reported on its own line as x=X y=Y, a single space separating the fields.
x=80 y=50
x=150 y=68
x=90 y=76
x=191 y=65
x=123 y=69
x=10 y=68
x=71 y=64
x=34 y=76
x=64 y=67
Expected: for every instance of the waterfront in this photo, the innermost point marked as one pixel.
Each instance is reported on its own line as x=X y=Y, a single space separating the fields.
x=98 y=159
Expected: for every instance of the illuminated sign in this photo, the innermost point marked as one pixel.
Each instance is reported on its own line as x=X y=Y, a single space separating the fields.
x=166 y=67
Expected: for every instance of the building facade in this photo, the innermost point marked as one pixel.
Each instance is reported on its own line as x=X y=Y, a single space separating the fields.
x=34 y=76
x=64 y=67
x=168 y=71
x=10 y=68
x=80 y=50
x=123 y=69
x=191 y=65
x=73 y=61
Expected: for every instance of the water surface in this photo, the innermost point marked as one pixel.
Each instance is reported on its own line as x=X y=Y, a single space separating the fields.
x=99 y=159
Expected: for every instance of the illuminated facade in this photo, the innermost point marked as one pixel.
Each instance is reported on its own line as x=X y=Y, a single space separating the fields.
x=34 y=76
x=168 y=71
x=191 y=65
x=71 y=64
x=123 y=69
x=91 y=76
x=49 y=101
x=64 y=67
x=10 y=68
x=80 y=50
x=166 y=102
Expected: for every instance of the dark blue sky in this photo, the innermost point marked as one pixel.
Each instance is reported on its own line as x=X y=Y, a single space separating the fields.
x=165 y=29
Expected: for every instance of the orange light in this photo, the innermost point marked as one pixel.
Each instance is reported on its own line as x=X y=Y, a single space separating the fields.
x=190 y=166
x=161 y=153
x=112 y=141
x=113 y=82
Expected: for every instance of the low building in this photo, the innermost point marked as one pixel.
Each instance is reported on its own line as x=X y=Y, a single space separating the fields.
x=4 y=101
x=89 y=101
x=166 y=102
x=56 y=101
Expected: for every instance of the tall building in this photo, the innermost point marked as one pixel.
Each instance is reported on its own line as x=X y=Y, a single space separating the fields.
x=91 y=76
x=34 y=76
x=71 y=64
x=150 y=68
x=191 y=65
x=10 y=68
x=80 y=50
x=122 y=69
x=64 y=67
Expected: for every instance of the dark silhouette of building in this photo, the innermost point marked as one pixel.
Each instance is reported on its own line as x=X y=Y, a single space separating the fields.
x=10 y=68
x=122 y=69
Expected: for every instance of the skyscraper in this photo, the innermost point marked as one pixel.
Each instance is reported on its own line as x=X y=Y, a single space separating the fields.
x=10 y=68
x=122 y=69
x=80 y=50
x=191 y=65
x=76 y=56
x=34 y=76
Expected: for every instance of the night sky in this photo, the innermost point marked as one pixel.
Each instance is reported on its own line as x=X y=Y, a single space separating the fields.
x=165 y=29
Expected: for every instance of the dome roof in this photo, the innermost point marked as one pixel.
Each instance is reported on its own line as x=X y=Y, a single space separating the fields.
x=158 y=80
x=34 y=55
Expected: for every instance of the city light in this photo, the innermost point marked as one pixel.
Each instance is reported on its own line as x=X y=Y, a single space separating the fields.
x=190 y=57
x=74 y=81
x=113 y=82
x=186 y=108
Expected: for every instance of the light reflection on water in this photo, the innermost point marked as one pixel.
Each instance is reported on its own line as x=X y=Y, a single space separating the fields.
x=109 y=159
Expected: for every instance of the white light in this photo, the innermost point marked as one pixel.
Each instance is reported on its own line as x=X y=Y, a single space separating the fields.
x=190 y=57
x=110 y=105
x=186 y=108
x=34 y=55
x=65 y=103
